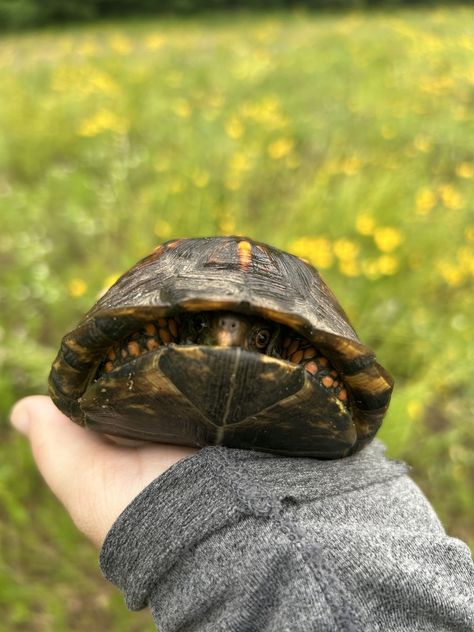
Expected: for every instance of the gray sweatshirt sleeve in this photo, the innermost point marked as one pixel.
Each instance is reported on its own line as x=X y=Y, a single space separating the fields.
x=240 y=541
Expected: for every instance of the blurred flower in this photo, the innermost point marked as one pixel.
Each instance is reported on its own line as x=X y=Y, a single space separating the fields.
x=365 y=224
x=349 y=267
x=77 y=287
x=351 y=166
x=121 y=44
x=103 y=121
x=414 y=409
x=388 y=265
x=345 y=249
x=422 y=143
x=425 y=201
x=465 y=170
x=162 y=229
x=226 y=225
x=280 y=148
x=451 y=273
x=86 y=81
x=154 y=41
x=316 y=250
x=234 y=128
x=387 y=238
x=182 y=108
x=452 y=199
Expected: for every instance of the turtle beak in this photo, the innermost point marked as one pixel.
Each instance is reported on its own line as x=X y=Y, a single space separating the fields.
x=230 y=331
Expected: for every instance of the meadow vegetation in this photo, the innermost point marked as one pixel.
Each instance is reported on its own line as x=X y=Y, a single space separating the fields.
x=347 y=139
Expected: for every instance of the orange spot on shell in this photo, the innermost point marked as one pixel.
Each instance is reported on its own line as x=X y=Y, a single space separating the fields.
x=245 y=254
x=150 y=329
x=162 y=322
x=111 y=355
x=309 y=353
x=311 y=367
x=327 y=381
x=165 y=336
x=297 y=357
x=152 y=344
x=108 y=366
x=342 y=395
x=323 y=361
x=134 y=348
x=293 y=346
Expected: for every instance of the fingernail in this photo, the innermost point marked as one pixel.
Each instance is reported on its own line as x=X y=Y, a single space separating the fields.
x=20 y=418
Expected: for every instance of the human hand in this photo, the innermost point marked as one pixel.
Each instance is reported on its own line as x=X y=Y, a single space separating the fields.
x=93 y=478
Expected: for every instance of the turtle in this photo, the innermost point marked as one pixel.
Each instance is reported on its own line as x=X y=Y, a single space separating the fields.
x=222 y=341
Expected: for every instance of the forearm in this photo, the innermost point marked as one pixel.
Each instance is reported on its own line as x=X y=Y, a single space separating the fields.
x=239 y=541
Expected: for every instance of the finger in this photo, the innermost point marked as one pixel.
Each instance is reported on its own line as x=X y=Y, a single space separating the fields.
x=62 y=450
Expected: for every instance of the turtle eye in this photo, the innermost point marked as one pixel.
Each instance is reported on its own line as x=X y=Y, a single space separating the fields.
x=200 y=323
x=262 y=338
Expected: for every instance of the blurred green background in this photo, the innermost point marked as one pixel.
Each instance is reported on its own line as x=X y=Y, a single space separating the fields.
x=345 y=138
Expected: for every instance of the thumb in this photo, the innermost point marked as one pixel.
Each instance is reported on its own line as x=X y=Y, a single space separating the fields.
x=69 y=458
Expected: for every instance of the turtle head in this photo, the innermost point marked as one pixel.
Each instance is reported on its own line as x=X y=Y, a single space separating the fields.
x=230 y=329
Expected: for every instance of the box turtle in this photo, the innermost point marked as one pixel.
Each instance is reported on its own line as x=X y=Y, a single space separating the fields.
x=222 y=340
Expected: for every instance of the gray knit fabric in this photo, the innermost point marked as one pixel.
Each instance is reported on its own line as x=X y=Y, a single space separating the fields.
x=240 y=541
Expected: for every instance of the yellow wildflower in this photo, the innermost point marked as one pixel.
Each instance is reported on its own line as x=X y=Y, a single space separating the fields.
x=345 y=249
x=162 y=228
x=182 y=108
x=349 y=267
x=234 y=128
x=103 y=121
x=351 y=166
x=280 y=148
x=452 y=199
x=425 y=201
x=240 y=162
x=469 y=233
x=176 y=186
x=365 y=224
x=452 y=274
x=316 y=250
x=465 y=170
x=77 y=287
x=387 y=238
x=422 y=143
x=154 y=41
x=227 y=225
x=414 y=409
x=120 y=44
x=465 y=257
x=87 y=48
x=388 y=264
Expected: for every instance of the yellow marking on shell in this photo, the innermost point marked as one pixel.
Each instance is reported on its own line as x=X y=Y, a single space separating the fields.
x=245 y=254
x=367 y=381
x=172 y=244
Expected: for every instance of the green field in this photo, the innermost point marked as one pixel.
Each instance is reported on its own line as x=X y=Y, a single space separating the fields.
x=347 y=139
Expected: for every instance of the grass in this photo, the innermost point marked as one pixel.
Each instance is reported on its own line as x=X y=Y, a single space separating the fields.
x=347 y=139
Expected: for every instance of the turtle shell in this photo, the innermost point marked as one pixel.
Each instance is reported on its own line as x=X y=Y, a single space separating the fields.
x=196 y=395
